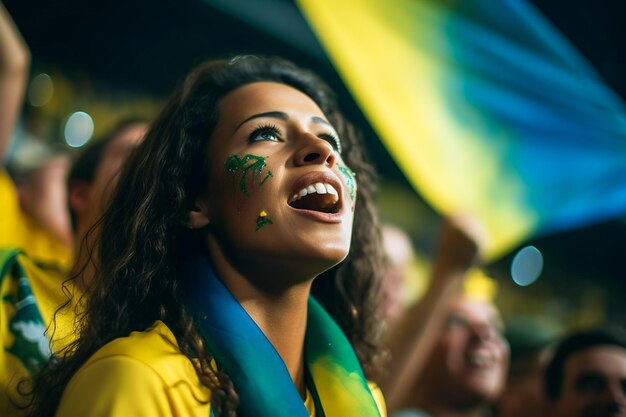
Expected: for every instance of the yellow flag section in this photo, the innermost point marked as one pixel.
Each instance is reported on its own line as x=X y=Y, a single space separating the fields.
x=393 y=57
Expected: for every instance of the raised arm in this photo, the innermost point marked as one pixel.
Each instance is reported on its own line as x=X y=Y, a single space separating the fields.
x=412 y=338
x=14 y=66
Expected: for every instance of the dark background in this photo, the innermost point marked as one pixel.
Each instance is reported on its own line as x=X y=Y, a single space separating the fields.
x=146 y=47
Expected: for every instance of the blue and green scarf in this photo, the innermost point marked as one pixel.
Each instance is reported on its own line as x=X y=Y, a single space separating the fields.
x=259 y=375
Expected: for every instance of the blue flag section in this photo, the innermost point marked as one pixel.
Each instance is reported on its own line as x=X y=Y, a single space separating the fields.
x=486 y=108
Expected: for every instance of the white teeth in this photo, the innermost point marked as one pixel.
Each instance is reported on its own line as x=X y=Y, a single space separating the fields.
x=479 y=359
x=320 y=188
x=317 y=188
x=331 y=190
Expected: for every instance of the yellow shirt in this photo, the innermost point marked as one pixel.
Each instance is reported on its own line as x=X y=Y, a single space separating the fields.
x=27 y=305
x=144 y=374
x=20 y=231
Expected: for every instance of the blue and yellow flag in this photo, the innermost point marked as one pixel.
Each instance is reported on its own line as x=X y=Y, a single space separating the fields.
x=485 y=107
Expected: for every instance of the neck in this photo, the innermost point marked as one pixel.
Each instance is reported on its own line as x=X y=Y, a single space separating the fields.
x=282 y=318
x=280 y=314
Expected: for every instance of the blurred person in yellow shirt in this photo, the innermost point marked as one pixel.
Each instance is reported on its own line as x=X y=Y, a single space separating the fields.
x=36 y=234
x=31 y=286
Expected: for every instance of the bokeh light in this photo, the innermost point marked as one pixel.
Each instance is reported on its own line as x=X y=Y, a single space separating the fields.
x=526 y=266
x=78 y=129
x=41 y=90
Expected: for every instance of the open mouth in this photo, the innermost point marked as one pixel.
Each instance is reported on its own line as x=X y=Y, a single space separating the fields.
x=480 y=358
x=322 y=197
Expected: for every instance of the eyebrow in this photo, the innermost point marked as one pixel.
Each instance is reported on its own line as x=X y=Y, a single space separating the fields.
x=319 y=120
x=279 y=115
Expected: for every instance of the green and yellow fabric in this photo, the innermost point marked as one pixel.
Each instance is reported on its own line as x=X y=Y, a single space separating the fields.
x=30 y=294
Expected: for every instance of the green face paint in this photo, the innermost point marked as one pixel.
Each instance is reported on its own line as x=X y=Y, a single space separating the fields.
x=262 y=220
x=242 y=166
x=350 y=181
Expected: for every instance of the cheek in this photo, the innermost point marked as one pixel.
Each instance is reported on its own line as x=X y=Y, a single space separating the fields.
x=240 y=194
x=452 y=348
x=348 y=177
x=574 y=400
x=248 y=172
x=239 y=177
x=503 y=350
x=103 y=188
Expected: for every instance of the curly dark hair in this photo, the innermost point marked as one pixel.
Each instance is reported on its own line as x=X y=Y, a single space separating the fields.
x=138 y=281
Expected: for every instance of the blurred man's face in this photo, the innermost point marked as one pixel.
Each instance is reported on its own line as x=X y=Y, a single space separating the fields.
x=471 y=359
x=594 y=384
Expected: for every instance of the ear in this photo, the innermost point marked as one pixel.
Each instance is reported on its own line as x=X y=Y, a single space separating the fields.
x=79 y=196
x=198 y=216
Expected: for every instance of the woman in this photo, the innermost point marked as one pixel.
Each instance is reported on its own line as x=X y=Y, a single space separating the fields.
x=240 y=196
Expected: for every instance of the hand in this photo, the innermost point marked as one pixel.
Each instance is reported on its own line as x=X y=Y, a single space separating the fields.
x=461 y=240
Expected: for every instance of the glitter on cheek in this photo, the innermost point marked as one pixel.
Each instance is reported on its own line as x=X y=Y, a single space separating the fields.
x=241 y=167
x=269 y=174
x=350 y=181
x=262 y=220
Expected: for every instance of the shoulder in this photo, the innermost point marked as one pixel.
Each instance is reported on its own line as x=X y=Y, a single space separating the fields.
x=20 y=230
x=141 y=374
x=27 y=303
x=9 y=200
x=19 y=269
x=155 y=348
x=114 y=386
x=35 y=285
x=29 y=297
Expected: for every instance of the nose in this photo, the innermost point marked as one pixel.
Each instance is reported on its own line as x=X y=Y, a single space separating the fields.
x=314 y=150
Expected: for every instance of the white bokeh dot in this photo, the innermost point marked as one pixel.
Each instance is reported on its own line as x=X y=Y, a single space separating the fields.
x=526 y=266
x=78 y=129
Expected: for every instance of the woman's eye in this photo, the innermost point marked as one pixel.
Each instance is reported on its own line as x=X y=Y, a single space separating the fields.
x=333 y=140
x=265 y=133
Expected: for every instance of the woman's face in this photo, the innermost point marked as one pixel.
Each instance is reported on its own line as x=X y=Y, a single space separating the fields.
x=279 y=194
